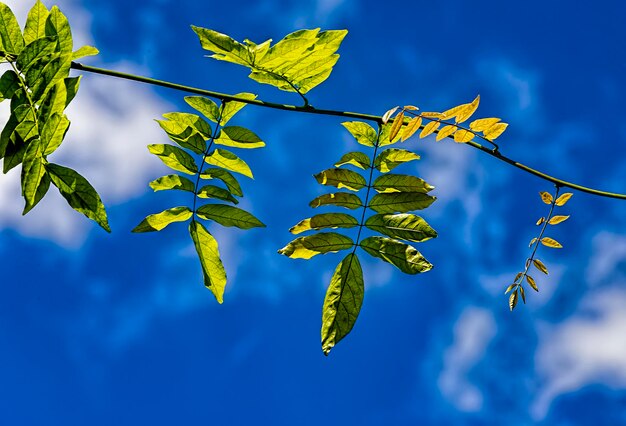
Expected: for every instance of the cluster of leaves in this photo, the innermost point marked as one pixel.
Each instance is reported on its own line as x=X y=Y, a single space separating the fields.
x=195 y=139
x=408 y=121
x=517 y=287
x=297 y=63
x=40 y=89
x=396 y=196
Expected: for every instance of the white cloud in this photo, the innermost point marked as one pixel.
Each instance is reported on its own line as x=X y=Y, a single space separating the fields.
x=586 y=349
x=608 y=251
x=112 y=122
x=473 y=331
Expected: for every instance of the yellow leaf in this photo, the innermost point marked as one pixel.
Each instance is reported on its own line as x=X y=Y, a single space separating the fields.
x=483 y=124
x=546 y=197
x=557 y=219
x=494 y=131
x=540 y=221
x=533 y=241
x=539 y=265
x=523 y=293
x=452 y=112
x=532 y=282
x=446 y=131
x=549 y=242
x=432 y=115
x=429 y=128
x=396 y=126
x=468 y=110
x=510 y=287
x=513 y=300
x=462 y=136
x=563 y=198
x=388 y=114
x=518 y=276
x=411 y=108
x=411 y=128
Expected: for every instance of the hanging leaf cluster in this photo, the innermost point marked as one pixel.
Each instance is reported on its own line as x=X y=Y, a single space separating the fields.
x=39 y=88
x=297 y=63
x=517 y=287
x=206 y=173
x=390 y=223
x=408 y=121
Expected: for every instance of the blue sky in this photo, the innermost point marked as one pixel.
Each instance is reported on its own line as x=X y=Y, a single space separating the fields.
x=118 y=329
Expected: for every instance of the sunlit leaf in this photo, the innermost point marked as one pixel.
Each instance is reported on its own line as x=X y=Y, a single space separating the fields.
x=325 y=221
x=158 y=221
x=549 y=242
x=438 y=115
x=85 y=51
x=445 y=132
x=225 y=176
x=205 y=106
x=238 y=137
x=401 y=183
x=229 y=216
x=34 y=52
x=540 y=221
x=341 y=199
x=212 y=191
x=533 y=241
x=387 y=115
x=172 y=182
x=403 y=256
x=223 y=47
x=184 y=120
x=311 y=245
x=212 y=268
x=229 y=161
x=467 y=111
x=557 y=219
x=400 y=202
x=510 y=287
x=362 y=132
x=58 y=26
x=33 y=171
x=342 y=303
x=463 y=136
x=36 y=23
x=522 y=292
x=341 y=178
x=518 y=276
x=513 y=300
x=391 y=158
x=407 y=227
x=396 y=125
x=9 y=83
x=483 y=124
x=546 y=197
x=563 y=199
x=539 y=265
x=494 y=131
x=53 y=132
x=357 y=159
x=412 y=127
x=429 y=128
x=230 y=108
x=174 y=158
x=10 y=32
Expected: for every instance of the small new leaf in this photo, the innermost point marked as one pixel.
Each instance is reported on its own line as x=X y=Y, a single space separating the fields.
x=540 y=221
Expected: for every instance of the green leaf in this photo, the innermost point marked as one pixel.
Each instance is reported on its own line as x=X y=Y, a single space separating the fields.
x=229 y=161
x=172 y=182
x=158 y=221
x=184 y=120
x=362 y=132
x=174 y=158
x=401 y=255
x=238 y=137
x=33 y=171
x=401 y=183
x=54 y=103
x=229 y=216
x=71 y=85
x=357 y=159
x=85 y=51
x=36 y=23
x=400 y=202
x=341 y=199
x=311 y=245
x=226 y=177
x=325 y=220
x=41 y=191
x=14 y=153
x=185 y=136
x=53 y=132
x=212 y=191
x=385 y=133
x=34 y=52
x=79 y=193
x=212 y=267
x=10 y=32
x=230 y=108
x=343 y=301
x=55 y=71
x=58 y=26
x=391 y=158
x=205 y=106
x=341 y=178
x=403 y=226
x=9 y=83
x=223 y=47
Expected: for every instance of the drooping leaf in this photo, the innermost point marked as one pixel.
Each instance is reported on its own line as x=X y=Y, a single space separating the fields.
x=342 y=303
x=429 y=128
x=557 y=219
x=532 y=283
x=172 y=182
x=205 y=106
x=398 y=121
x=362 y=132
x=539 y=265
x=79 y=193
x=549 y=242
x=58 y=26
x=494 y=131
x=14 y=153
x=522 y=292
x=400 y=202
x=546 y=197
x=174 y=158
x=341 y=178
x=357 y=159
x=483 y=124
x=36 y=23
x=10 y=32
x=407 y=227
x=325 y=221
x=40 y=192
x=238 y=137
x=212 y=191
x=229 y=161
x=311 y=245
x=85 y=51
x=391 y=158
x=463 y=136
x=229 y=216
x=513 y=300
x=563 y=199
x=401 y=183
x=208 y=252
x=158 y=221
x=445 y=132
x=403 y=256
x=225 y=176
x=510 y=287
x=412 y=127
x=341 y=199
x=518 y=276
